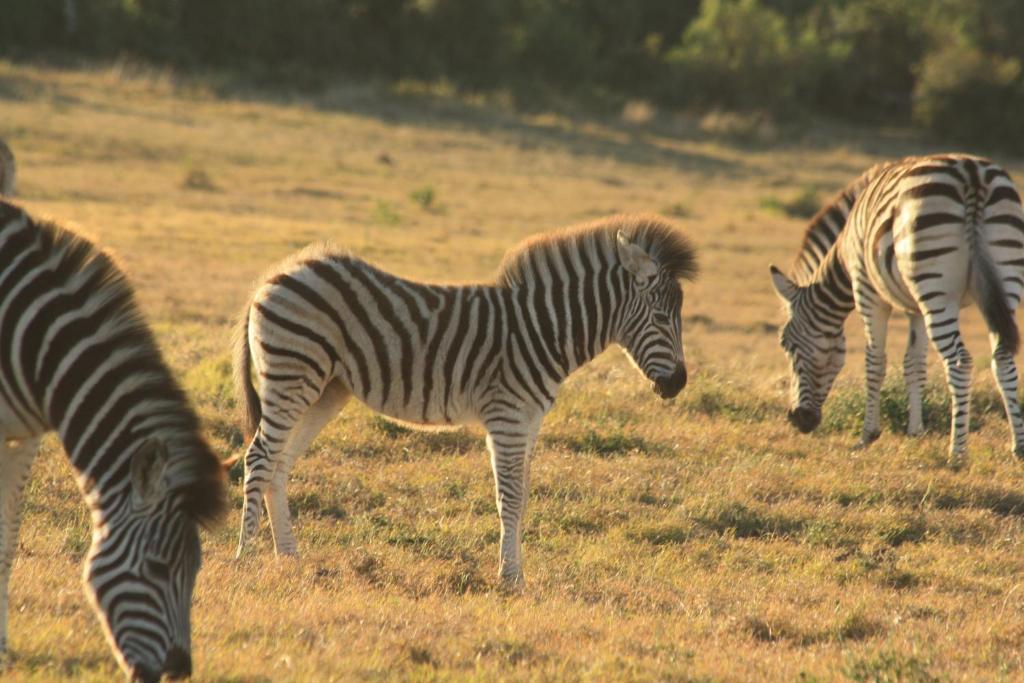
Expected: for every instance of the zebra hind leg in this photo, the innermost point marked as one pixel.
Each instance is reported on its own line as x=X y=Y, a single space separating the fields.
x=876 y=322
x=305 y=430
x=1005 y=370
x=914 y=373
x=259 y=465
x=944 y=333
x=15 y=465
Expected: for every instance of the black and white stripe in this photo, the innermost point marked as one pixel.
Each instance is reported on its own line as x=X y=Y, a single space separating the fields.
x=77 y=358
x=926 y=235
x=327 y=326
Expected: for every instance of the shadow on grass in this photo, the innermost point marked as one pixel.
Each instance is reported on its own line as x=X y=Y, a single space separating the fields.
x=610 y=445
x=66 y=668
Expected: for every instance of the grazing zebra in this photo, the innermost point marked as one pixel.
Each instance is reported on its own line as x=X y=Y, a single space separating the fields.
x=77 y=358
x=7 y=170
x=926 y=235
x=327 y=326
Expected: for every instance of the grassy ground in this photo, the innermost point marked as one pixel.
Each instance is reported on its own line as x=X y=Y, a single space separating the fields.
x=697 y=539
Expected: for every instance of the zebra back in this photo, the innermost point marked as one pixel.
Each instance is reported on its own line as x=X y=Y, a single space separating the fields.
x=827 y=224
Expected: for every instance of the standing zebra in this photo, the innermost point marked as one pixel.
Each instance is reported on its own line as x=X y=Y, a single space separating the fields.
x=77 y=358
x=327 y=326
x=7 y=170
x=927 y=235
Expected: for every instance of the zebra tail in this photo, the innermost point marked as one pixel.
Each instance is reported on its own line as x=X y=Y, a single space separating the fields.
x=244 y=389
x=987 y=288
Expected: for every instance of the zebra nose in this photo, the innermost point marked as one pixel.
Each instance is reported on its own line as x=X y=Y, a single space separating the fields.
x=144 y=674
x=669 y=386
x=804 y=419
x=178 y=663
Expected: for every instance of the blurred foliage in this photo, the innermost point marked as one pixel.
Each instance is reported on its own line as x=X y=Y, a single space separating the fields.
x=951 y=67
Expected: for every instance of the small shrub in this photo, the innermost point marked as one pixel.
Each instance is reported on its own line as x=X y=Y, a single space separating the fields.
x=857 y=626
x=677 y=209
x=384 y=214
x=423 y=196
x=211 y=381
x=889 y=667
x=844 y=410
x=743 y=521
x=803 y=205
x=896 y=532
x=198 y=179
x=605 y=445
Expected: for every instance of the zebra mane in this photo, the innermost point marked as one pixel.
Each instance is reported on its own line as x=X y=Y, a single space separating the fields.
x=818 y=236
x=196 y=472
x=669 y=248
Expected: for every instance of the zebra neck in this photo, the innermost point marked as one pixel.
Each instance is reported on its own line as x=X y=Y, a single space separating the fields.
x=567 y=324
x=830 y=292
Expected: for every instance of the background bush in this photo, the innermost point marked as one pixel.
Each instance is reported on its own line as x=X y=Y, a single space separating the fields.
x=951 y=67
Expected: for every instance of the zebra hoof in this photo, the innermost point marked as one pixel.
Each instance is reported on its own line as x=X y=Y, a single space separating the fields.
x=1019 y=453
x=866 y=440
x=512 y=583
x=915 y=431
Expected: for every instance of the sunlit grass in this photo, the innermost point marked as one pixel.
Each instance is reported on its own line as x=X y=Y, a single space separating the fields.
x=693 y=539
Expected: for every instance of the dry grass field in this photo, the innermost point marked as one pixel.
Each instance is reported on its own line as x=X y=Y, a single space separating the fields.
x=696 y=539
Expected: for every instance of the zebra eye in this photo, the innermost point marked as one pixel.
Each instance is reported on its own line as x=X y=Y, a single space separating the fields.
x=660 y=318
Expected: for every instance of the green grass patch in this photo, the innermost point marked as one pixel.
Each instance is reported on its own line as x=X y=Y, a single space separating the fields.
x=605 y=445
x=804 y=204
x=889 y=666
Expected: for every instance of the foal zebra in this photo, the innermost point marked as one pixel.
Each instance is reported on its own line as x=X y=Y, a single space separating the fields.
x=327 y=326
x=926 y=235
x=77 y=358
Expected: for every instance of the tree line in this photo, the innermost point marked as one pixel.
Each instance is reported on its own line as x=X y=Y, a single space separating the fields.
x=950 y=67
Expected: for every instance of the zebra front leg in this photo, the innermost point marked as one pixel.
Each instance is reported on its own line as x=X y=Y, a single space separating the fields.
x=15 y=465
x=510 y=459
x=1005 y=370
x=876 y=323
x=914 y=373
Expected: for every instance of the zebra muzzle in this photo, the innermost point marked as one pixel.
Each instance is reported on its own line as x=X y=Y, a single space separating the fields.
x=669 y=386
x=804 y=419
x=178 y=664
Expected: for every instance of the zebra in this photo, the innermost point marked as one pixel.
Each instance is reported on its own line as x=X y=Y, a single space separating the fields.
x=77 y=358
x=926 y=235
x=326 y=326
x=7 y=170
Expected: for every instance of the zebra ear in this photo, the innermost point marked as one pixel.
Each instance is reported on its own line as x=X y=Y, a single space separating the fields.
x=785 y=287
x=148 y=466
x=634 y=259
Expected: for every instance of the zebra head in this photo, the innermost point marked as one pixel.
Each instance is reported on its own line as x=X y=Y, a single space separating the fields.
x=816 y=348
x=141 y=571
x=651 y=329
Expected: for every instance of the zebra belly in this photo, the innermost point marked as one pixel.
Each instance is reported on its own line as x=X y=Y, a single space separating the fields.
x=419 y=414
x=887 y=277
